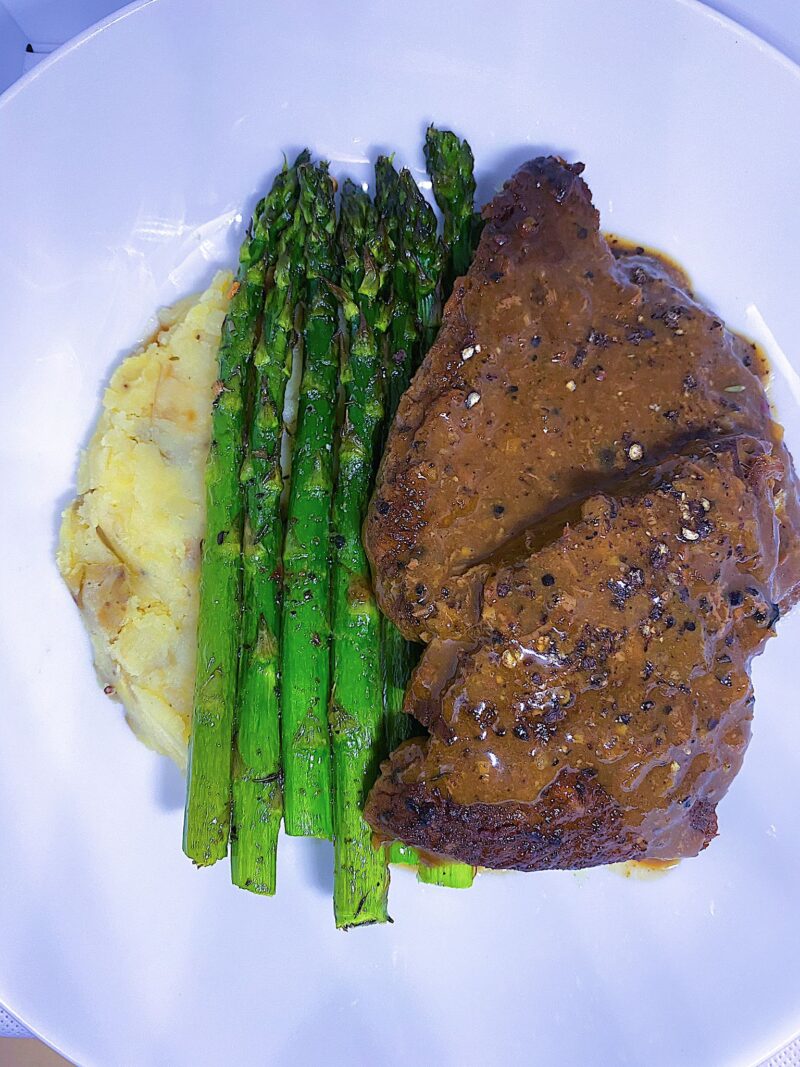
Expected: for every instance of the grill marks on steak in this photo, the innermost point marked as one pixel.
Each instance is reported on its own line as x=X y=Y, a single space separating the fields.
x=600 y=706
x=559 y=368
x=586 y=511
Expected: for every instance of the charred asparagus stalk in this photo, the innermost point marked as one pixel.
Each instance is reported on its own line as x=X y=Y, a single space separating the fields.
x=208 y=788
x=361 y=876
x=398 y=655
x=451 y=167
x=423 y=261
x=305 y=653
x=257 y=792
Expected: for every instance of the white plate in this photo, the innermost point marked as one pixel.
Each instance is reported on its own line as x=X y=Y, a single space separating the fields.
x=127 y=162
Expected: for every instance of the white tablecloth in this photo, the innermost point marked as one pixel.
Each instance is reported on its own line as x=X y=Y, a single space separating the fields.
x=31 y=29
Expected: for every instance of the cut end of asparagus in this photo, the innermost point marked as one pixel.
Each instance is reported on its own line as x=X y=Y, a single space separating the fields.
x=205 y=848
x=254 y=848
x=206 y=824
x=362 y=909
x=450 y=875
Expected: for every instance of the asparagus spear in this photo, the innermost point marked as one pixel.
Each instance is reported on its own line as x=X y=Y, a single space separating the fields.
x=305 y=653
x=403 y=207
x=257 y=794
x=398 y=655
x=411 y=227
x=208 y=788
x=361 y=876
x=450 y=165
x=421 y=263
x=392 y=200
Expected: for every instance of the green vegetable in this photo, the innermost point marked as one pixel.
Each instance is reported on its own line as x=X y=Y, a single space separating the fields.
x=257 y=793
x=208 y=788
x=305 y=653
x=451 y=167
x=392 y=201
x=265 y=673
x=423 y=261
x=452 y=875
x=361 y=875
x=450 y=164
x=415 y=247
x=415 y=310
x=396 y=209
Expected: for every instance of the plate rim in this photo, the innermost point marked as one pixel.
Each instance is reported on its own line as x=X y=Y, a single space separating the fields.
x=97 y=30
x=702 y=8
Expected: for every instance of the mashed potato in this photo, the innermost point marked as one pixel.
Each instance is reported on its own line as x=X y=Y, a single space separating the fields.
x=130 y=542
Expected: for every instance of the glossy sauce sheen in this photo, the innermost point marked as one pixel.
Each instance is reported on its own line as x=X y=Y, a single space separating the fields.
x=586 y=685
x=603 y=698
x=580 y=361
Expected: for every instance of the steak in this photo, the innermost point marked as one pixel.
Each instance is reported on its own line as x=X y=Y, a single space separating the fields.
x=586 y=512
x=600 y=704
x=560 y=367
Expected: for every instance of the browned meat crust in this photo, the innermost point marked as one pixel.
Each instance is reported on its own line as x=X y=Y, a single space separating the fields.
x=587 y=691
x=600 y=705
x=525 y=837
x=558 y=369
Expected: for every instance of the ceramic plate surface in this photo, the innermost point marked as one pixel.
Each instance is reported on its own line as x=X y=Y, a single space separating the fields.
x=129 y=162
